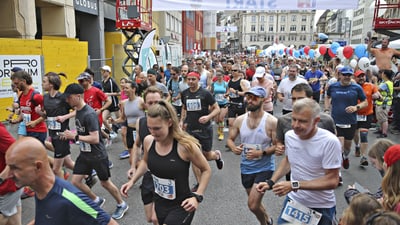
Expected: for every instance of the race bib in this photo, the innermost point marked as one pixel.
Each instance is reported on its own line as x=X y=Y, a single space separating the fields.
x=361 y=118
x=165 y=188
x=247 y=147
x=193 y=105
x=219 y=97
x=52 y=124
x=277 y=77
x=343 y=126
x=26 y=117
x=134 y=135
x=296 y=213
x=84 y=147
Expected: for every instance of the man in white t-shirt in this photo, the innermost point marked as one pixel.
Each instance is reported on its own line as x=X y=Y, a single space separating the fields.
x=314 y=156
x=285 y=88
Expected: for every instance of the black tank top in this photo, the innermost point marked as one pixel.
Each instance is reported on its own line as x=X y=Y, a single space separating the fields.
x=236 y=85
x=166 y=170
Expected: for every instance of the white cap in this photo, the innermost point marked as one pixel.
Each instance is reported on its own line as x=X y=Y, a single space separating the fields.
x=169 y=63
x=290 y=58
x=106 y=68
x=260 y=72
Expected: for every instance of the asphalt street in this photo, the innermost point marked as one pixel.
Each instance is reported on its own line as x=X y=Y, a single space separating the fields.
x=225 y=200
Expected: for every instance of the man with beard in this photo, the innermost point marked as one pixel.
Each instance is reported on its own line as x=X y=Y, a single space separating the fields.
x=313 y=155
x=364 y=117
x=384 y=55
x=257 y=133
x=345 y=98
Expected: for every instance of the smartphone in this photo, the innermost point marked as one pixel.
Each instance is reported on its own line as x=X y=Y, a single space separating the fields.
x=60 y=133
x=360 y=188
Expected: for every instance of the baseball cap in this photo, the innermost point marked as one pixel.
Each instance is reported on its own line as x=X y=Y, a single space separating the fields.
x=72 y=89
x=16 y=69
x=84 y=76
x=257 y=91
x=346 y=70
x=193 y=74
x=392 y=155
x=106 y=68
x=169 y=63
x=260 y=72
x=152 y=71
x=358 y=73
x=290 y=58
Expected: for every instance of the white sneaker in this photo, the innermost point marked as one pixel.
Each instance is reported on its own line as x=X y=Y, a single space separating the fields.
x=113 y=135
x=108 y=142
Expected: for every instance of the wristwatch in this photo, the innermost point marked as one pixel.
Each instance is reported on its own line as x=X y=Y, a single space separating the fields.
x=270 y=183
x=358 y=107
x=76 y=137
x=198 y=197
x=295 y=185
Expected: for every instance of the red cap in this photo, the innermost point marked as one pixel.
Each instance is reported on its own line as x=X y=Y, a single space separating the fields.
x=193 y=74
x=358 y=73
x=392 y=155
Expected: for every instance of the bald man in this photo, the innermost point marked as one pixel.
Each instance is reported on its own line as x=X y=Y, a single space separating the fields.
x=57 y=201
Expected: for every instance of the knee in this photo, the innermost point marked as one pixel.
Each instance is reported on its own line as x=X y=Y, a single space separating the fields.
x=364 y=136
x=253 y=206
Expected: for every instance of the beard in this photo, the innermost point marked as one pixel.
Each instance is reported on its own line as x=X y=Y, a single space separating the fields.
x=253 y=108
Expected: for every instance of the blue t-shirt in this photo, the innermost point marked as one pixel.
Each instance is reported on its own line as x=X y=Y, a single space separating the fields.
x=317 y=74
x=65 y=205
x=342 y=97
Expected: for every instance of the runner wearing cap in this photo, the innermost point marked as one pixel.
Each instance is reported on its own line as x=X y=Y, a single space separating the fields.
x=260 y=79
x=314 y=76
x=257 y=133
x=345 y=98
x=199 y=108
x=364 y=117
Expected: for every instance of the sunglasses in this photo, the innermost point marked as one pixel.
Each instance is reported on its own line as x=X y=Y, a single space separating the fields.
x=199 y=64
x=252 y=97
x=235 y=70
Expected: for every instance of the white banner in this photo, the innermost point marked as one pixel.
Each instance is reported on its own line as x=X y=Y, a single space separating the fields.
x=30 y=63
x=226 y=29
x=191 y=5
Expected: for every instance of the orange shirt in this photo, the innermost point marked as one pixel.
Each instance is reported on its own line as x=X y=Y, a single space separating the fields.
x=369 y=89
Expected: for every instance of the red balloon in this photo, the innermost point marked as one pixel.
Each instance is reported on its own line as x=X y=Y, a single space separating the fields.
x=348 y=51
x=306 y=49
x=322 y=49
x=291 y=51
x=331 y=54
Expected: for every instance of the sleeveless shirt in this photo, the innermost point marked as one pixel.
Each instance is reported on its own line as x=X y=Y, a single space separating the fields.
x=133 y=111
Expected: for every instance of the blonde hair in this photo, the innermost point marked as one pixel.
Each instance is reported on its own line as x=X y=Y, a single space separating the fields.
x=391 y=187
x=166 y=112
x=379 y=148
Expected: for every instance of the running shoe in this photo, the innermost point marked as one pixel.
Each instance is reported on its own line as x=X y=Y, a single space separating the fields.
x=113 y=135
x=219 y=161
x=124 y=154
x=364 y=161
x=382 y=136
x=108 y=142
x=120 y=211
x=346 y=162
x=91 y=180
x=101 y=202
x=110 y=164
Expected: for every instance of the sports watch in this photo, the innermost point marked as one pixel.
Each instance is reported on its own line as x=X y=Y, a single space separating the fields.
x=198 y=197
x=295 y=185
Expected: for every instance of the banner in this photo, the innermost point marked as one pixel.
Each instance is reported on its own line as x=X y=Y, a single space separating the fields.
x=226 y=29
x=30 y=63
x=224 y=5
x=146 y=55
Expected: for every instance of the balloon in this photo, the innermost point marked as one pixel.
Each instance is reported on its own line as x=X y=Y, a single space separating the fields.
x=311 y=53
x=374 y=69
x=291 y=51
x=317 y=54
x=348 y=51
x=322 y=49
x=353 y=63
x=306 y=49
x=363 y=63
x=280 y=51
x=340 y=52
x=330 y=53
x=360 y=50
x=296 y=54
x=334 y=47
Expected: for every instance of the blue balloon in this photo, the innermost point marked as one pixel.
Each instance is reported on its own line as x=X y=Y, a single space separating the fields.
x=280 y=51
x=311 y=53
x=359 y=51
x=334 y=47
x=366 y=54
x=301 y=51
x=296 y=54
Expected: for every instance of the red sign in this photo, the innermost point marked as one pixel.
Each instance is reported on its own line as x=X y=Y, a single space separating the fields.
x=382 y=23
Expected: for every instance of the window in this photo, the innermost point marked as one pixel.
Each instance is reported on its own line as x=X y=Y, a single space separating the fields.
x=303 y=18
x=303 y=28
x=262 y=18
x=294 y=18
x=262 y=28
x=283 y=18
x=253 y=19
x=282 y=27
x=271 y=19
x=293 y=28
x=253 y=28
x=271 y=28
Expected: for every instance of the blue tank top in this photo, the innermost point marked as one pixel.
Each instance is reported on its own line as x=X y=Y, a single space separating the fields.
x=255 y=138
x=219 y=92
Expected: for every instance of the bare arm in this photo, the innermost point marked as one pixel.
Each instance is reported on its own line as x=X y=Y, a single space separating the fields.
x=233 y=133
x=135 y=152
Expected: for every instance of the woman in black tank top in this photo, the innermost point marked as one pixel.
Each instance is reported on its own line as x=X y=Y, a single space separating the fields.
x=168 y=152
